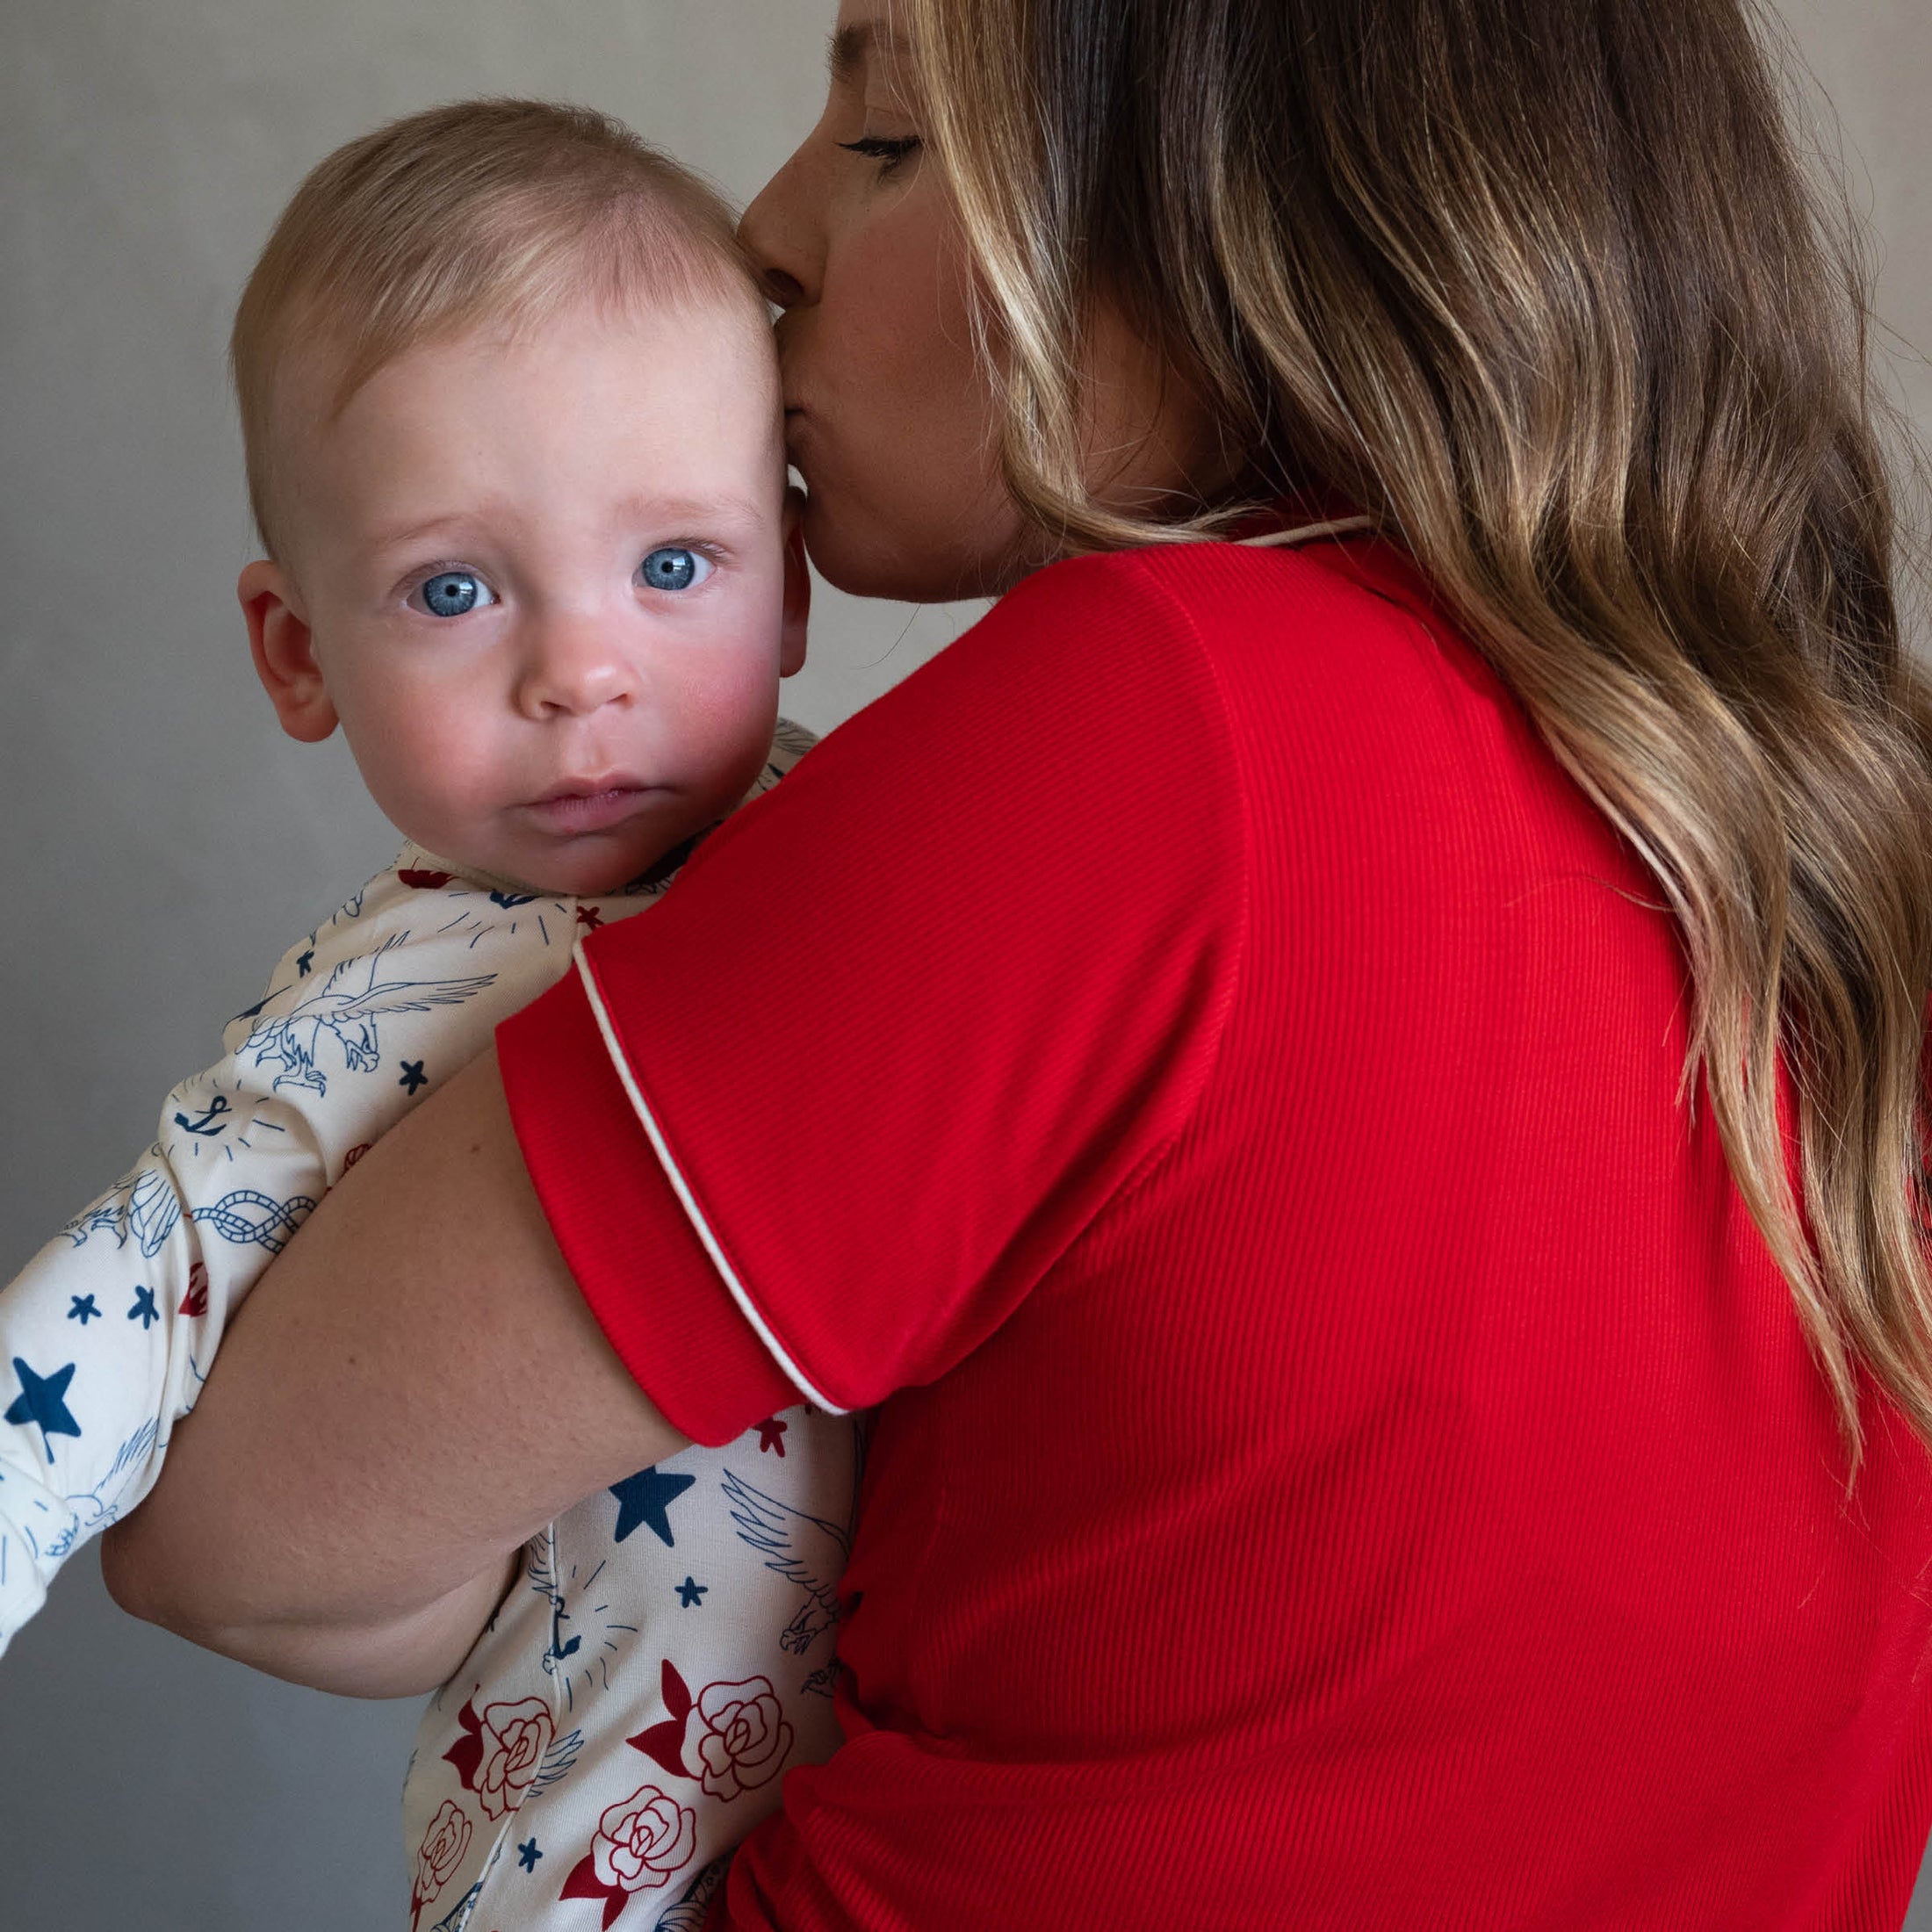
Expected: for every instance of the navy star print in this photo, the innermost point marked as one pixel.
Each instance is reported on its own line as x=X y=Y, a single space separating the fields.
x=413 y=1075
x=690 y=1594
x=644 y=1498
x=144 y=1311
x=42 y=1402
x=84 y=1310
x=527 y=1854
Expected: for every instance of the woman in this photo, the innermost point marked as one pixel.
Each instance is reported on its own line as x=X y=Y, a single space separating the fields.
x=1366 y=1134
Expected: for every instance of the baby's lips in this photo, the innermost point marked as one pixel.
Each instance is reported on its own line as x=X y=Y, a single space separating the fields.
x=574 y=808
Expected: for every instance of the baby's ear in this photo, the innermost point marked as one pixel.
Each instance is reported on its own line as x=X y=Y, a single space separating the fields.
x=283 y=650
x=791 y=645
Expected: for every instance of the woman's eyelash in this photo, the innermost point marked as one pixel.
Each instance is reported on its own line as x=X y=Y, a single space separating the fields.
x=890 y=150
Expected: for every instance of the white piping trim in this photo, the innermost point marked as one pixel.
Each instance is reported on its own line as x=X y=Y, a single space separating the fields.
x=1306 y=533
x=683 y=1193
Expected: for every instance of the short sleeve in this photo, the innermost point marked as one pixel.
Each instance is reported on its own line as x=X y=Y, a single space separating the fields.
x=904 y=1028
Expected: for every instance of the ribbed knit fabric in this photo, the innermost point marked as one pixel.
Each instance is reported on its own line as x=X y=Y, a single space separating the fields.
x=1347 y=1459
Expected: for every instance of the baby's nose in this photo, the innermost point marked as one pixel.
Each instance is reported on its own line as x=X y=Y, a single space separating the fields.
x=571 y=668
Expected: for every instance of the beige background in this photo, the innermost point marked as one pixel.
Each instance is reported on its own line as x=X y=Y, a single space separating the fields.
x=160 y=843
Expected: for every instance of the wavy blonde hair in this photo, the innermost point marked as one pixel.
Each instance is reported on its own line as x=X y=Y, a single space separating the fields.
x=1541 y=287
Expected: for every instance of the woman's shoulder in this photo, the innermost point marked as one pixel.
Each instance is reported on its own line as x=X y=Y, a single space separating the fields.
x=1087 y=650
x=1342 y=642
x=1300 y=606
x=1293 y=683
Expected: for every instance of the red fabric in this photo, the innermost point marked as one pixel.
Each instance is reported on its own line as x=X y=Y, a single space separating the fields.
x=617 y=1220
x=1346 y=1459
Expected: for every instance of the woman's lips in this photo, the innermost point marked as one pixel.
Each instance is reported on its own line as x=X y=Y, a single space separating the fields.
x=593 y=806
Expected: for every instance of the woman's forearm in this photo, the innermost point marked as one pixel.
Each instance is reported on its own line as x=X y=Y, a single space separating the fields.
x=413 y=1389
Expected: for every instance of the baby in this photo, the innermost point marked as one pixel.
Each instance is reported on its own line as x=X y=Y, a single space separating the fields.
x=513 y=446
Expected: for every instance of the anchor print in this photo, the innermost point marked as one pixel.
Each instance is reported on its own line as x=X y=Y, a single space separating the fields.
x=218 y=1108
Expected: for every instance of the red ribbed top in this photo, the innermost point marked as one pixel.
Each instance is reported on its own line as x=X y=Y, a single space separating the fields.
x=1347 y=1459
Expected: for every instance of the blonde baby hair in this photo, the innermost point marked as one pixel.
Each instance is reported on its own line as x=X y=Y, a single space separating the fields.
x=478 y=212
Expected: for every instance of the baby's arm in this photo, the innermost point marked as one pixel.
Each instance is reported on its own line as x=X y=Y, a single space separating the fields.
x=106 y=1335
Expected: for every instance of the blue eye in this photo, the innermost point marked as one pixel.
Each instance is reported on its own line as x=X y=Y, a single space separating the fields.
x=453 y=593
x=674 y=568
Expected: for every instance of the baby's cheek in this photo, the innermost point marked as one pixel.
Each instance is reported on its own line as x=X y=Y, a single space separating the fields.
x=738 y=675
x=434 y=772
x=730 y=723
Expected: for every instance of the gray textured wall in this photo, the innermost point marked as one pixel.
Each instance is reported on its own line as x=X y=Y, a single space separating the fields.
x=160 y=842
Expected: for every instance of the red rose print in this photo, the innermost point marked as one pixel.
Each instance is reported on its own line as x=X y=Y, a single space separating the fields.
x=737 y=1736
x=355 y=1154
x=642 y=1843
x=422 y=879
x=195 y=1302
x=514 y=1737
x=731 y=1738
x=440 y=1852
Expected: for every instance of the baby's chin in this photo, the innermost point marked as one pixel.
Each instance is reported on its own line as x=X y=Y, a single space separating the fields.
x=581 y=868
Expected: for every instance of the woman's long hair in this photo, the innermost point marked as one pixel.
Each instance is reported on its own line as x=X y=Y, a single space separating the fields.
x=1541 y=287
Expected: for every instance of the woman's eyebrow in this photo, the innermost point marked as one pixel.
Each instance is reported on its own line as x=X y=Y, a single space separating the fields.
x=849 y=49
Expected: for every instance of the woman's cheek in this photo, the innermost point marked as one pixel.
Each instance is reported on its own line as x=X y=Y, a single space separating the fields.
x=914 y=505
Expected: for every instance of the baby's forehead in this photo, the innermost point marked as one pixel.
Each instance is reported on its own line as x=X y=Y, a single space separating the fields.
x=698 y=360
x=449 y=219
x=323 y=366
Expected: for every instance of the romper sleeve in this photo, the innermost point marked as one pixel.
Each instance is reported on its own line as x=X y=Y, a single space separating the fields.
x=902 y=1030
x=107 y=1334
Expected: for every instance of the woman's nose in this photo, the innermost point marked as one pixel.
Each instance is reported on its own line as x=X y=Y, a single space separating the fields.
x=571 y=669
x=775 y=233
x=786 y=291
